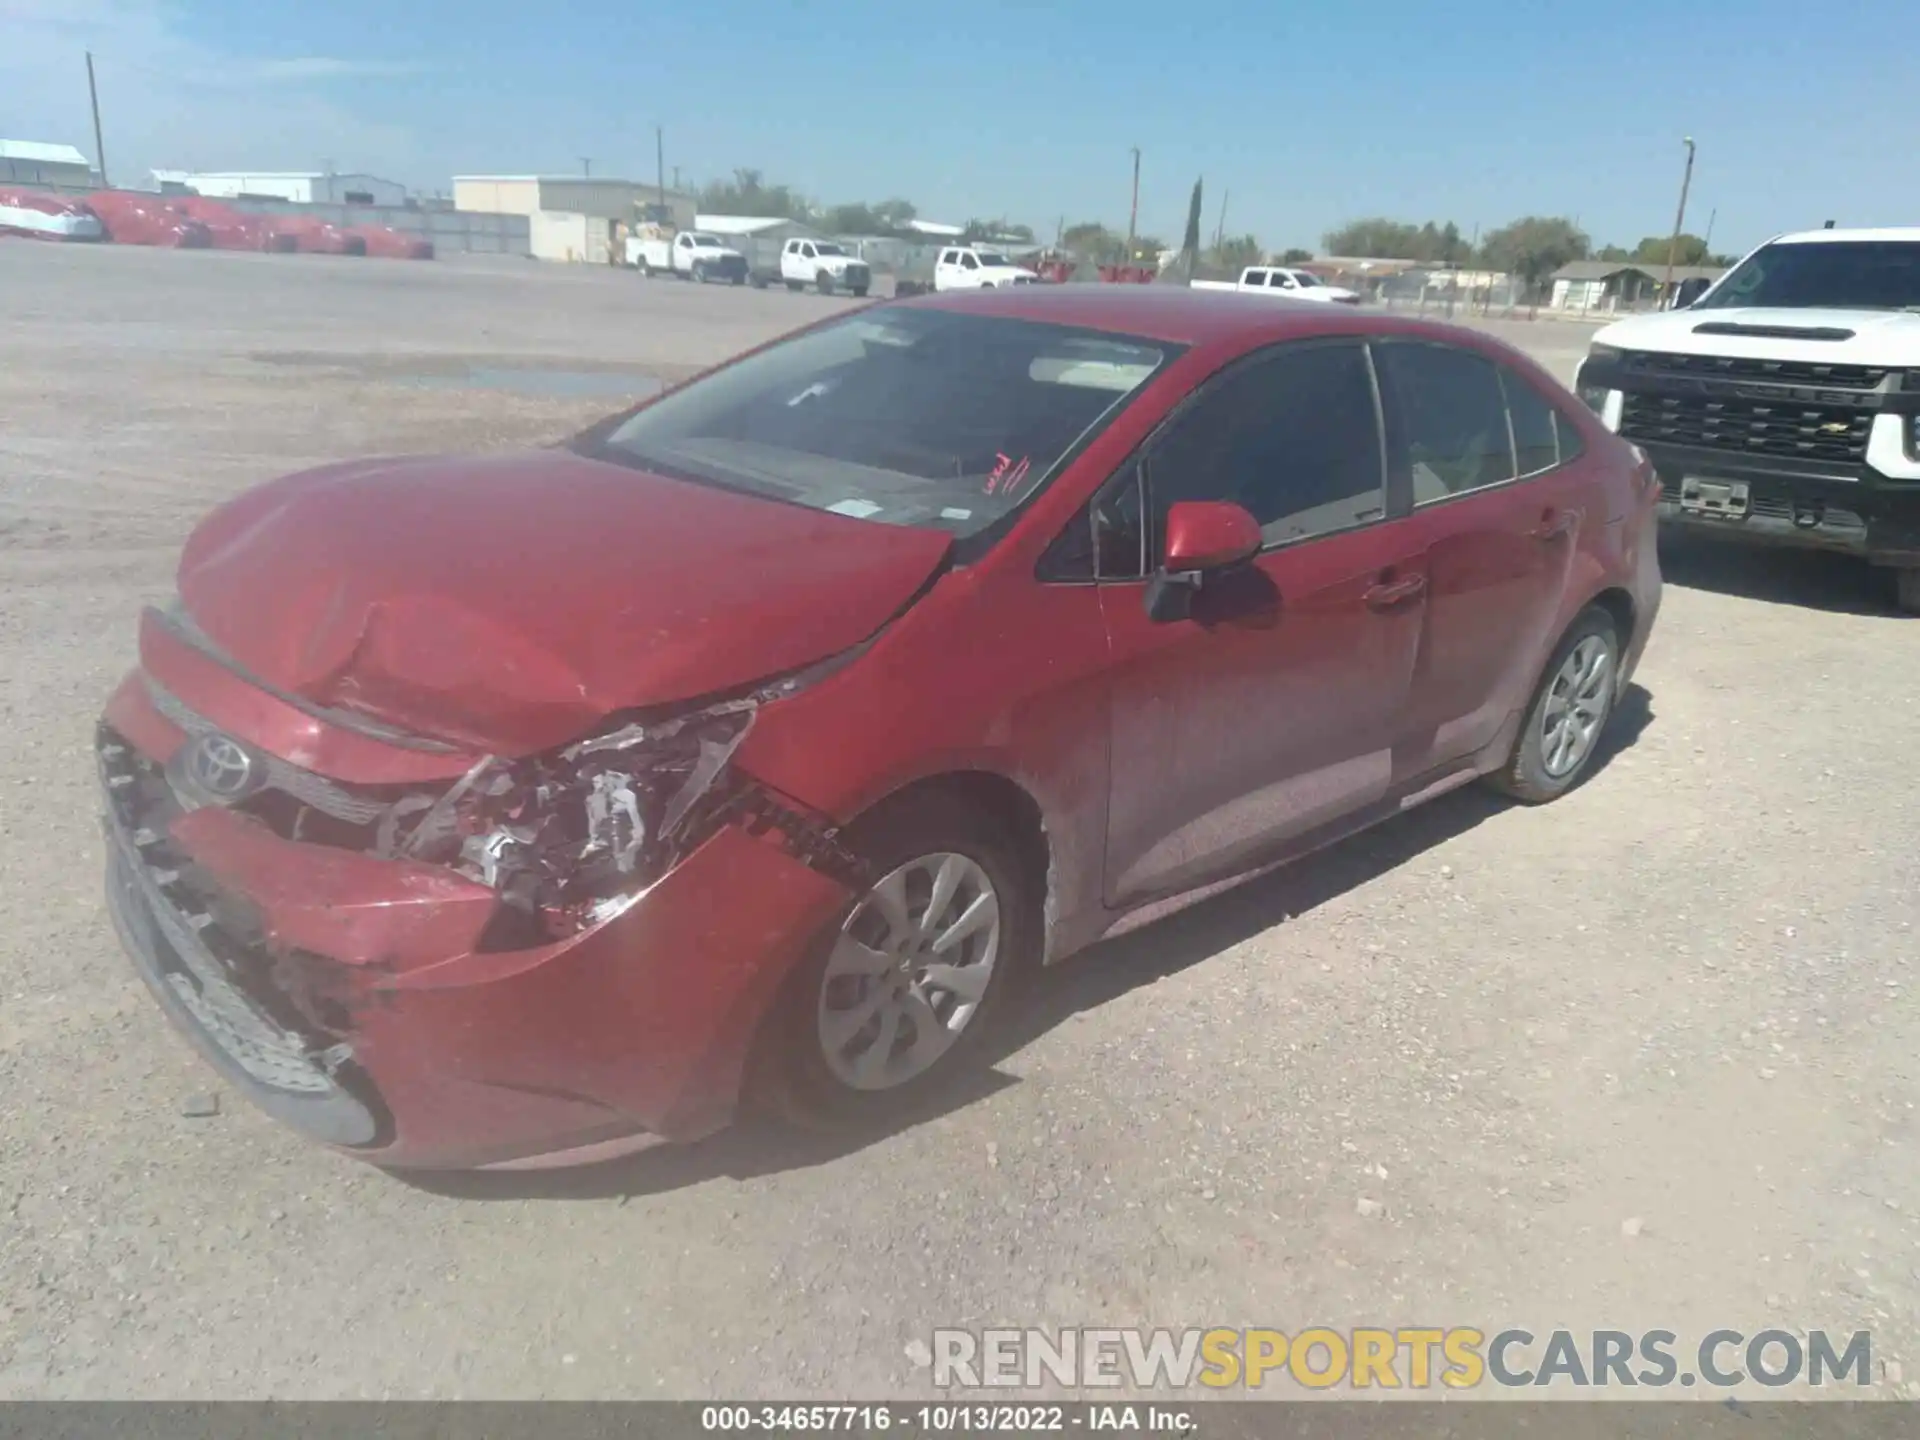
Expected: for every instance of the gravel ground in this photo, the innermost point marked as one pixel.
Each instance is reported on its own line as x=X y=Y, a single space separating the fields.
x=1644 y=1058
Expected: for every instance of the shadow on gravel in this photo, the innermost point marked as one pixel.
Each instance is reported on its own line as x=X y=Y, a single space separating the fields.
x=1809 y=579
x=1102 y=973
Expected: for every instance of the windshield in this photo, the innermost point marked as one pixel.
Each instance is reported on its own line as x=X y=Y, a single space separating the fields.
x=992 y=257
x=1304 y=280
x=906 y=417
x=827 y=247
x=703 y=242
x=1830 y=274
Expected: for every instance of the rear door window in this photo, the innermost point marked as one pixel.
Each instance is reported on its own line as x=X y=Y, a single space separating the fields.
x=1453 y=417
x=1536 y=442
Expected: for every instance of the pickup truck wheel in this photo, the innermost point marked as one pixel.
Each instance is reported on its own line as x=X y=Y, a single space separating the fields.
x=859 y=292
x=795 y=285
x=1907 y=589
x=759 y=282
x=987 y=286
x=700 y=272
x=646 y=270
x=824 y=280
x=1568 y=714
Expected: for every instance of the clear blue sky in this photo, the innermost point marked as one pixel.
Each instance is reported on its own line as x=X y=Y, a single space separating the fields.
x=1471 y=111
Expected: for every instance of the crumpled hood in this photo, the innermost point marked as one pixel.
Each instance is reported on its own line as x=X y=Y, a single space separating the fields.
x=511 y=602
x=1879 y=337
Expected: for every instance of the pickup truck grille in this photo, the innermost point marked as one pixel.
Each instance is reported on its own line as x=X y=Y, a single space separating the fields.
x=1749 y=427
x=1727 y=367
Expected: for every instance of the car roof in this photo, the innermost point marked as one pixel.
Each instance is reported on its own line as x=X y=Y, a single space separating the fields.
x=1175 y=314
x=1907 y=233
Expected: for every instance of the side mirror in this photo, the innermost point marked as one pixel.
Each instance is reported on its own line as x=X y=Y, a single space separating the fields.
x=1209 y=535
x=1203 y=537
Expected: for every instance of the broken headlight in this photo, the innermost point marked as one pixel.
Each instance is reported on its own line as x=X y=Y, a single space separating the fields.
x=571 y=836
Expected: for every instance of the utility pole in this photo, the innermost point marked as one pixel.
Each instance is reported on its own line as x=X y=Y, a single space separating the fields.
x=586 y=165
x=660 y=161
x=1133 y=215
x=1220 y=229
x=1679 y=219
x=676 y=177
x=1707 y=242
x=99 y=145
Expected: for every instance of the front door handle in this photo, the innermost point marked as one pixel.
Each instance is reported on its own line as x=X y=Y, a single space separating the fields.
x=1392 y=594
x=1556 y=523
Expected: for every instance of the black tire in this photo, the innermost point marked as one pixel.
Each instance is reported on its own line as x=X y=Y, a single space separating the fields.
x=793 y=1076
x=859 y=292
x=1906 y=583
x=823 y=281
x=1526 y=776
x=759 y=282
x=739 y=279
x=700 y=272
x=646 y=270
x=987 y=286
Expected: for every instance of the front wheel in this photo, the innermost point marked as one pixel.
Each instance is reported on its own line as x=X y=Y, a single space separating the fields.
x=895 y=998
x=824 y=280
x=1561 y=732
x=859 y=292
x=700 y=274
x=1907 y=589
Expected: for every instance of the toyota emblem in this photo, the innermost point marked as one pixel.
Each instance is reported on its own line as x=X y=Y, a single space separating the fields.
x=221 y=769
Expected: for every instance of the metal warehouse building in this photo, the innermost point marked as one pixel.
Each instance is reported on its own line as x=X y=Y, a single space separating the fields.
x=569 y=217
x=35 y=162
x=303 y=187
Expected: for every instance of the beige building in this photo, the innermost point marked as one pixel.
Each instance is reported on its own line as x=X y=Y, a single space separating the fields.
x=578 y=218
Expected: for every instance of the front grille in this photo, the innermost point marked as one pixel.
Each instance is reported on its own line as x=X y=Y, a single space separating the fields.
x=209 y=964
x=1833 y=434
x=1728 y=367
x=302 y=785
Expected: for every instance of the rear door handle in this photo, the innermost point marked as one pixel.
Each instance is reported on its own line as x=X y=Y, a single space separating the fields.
x=1556 y=523
x=1391 y=594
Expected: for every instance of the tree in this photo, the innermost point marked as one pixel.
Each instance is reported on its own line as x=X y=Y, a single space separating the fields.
x=1382 y=239
x=1095 y=241
x=749 y=194
x=851 y=220
x=1535 y=246
x=1295 y=256
x=1615 y=254
x=1235 y=253
x=1692 y=250
x=1001 y=229
x=896 y=214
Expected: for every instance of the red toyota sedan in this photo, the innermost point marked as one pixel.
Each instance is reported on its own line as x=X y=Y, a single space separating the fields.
x=518 y=810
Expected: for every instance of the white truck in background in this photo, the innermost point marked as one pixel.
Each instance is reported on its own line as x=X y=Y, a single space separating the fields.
x=690 y=254
x=972 y=267
x=824 y=265
x=1280 y=280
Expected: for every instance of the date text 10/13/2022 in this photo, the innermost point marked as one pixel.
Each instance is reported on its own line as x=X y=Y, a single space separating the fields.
x=959 y=1418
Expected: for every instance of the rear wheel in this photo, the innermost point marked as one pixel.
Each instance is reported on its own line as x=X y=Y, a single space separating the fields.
x=895 y=998
x=859 y=292
x=1568 y=713
x=1907 y=589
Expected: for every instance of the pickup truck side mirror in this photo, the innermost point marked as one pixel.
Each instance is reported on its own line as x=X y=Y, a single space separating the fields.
x=1203 y=537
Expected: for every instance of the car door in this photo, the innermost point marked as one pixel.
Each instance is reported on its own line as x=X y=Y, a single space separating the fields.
x=1500 y=534
x=1272 y=710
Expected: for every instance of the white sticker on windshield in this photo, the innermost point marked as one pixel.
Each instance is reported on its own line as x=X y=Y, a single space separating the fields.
x=858 y=509
x=952 y=514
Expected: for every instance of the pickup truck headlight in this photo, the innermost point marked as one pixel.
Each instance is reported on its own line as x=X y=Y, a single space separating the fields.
x=1593 y=393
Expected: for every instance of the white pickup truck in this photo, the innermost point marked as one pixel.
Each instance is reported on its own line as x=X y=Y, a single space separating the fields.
x=825 y=266
x=1278 y=280
x=1782 y=407
x=969 y=267
x=691 y=254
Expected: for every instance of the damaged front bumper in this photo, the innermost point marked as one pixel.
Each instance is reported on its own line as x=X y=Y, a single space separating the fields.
x=368 y=1001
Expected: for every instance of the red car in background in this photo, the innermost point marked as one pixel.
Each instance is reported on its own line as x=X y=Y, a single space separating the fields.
x=512 y=810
